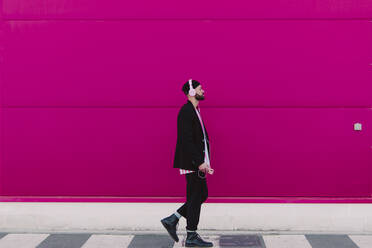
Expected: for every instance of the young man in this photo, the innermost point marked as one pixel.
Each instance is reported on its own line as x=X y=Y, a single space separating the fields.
x=192 y=157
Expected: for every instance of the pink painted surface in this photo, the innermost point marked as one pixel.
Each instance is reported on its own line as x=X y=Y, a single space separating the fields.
x=212 y=199
x=129 y=151
x=145 y=63
x=88 y=108
x=2 y=38
x=92 y=9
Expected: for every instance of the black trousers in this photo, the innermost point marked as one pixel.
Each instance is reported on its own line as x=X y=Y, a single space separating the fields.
x=196 y=194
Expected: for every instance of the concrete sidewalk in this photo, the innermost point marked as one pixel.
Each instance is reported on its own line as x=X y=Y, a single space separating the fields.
x=110 y=217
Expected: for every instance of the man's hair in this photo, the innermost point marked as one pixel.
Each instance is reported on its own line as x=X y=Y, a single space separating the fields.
x=186 y=86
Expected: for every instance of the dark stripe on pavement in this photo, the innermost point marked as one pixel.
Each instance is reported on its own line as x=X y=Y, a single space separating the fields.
x=330 y=241
x=64 y=241
x=151 y=240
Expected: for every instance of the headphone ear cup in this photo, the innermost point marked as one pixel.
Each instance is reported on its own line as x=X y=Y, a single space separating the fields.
x=192 y=92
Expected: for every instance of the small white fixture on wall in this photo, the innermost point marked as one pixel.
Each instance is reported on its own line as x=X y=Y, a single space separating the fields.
x=357 y=126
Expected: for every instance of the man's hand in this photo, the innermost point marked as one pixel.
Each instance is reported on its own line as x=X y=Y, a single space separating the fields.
x=203 y=167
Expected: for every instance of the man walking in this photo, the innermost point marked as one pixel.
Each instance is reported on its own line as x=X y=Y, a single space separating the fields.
x=192 y=157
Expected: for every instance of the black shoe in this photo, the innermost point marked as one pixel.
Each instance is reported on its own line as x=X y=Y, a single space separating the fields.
x=171 y=224
x=194 y=240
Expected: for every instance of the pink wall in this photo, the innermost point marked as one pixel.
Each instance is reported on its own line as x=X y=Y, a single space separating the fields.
x=90 y=92
x=187 y=9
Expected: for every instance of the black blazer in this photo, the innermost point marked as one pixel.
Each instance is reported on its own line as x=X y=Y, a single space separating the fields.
x=190 y=139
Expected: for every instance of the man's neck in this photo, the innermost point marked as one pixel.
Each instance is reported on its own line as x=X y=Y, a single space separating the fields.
x=194 y=102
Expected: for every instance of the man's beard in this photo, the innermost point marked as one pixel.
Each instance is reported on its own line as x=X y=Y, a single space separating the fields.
x=199 y=97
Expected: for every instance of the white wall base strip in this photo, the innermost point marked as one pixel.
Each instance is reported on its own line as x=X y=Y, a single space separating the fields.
x=110 y=217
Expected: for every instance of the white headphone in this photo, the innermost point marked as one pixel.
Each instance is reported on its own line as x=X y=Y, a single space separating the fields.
x=192 y=91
